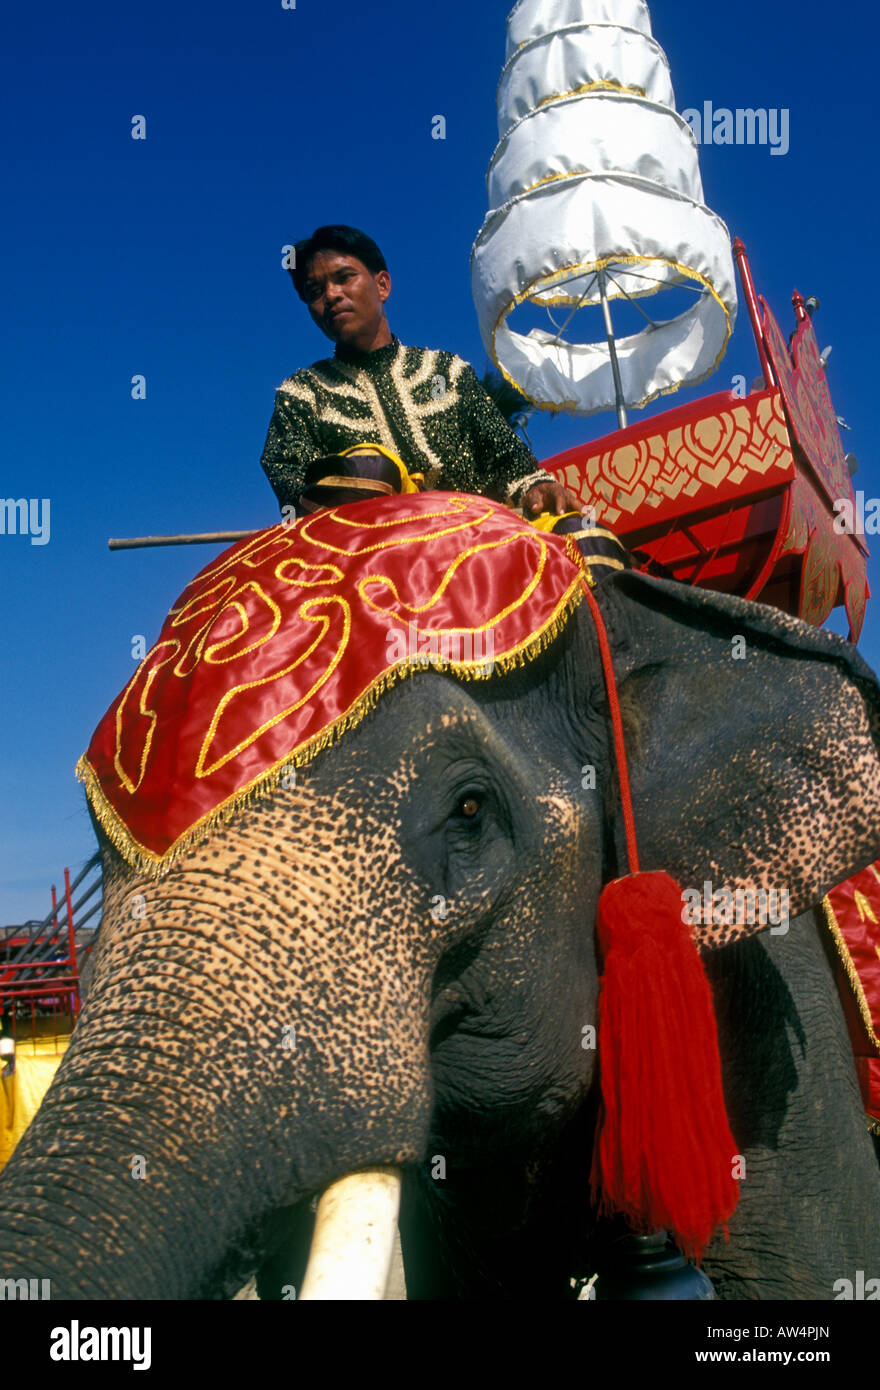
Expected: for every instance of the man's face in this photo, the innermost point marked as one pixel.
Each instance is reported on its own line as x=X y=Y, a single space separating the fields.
x=344 y=298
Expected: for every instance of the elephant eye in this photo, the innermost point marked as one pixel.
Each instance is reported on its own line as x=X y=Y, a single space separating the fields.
x=470 y=806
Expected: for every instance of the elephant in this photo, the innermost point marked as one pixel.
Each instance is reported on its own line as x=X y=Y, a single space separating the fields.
x=416 y=909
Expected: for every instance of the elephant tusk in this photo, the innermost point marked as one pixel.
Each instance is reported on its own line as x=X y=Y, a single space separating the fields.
x=353 y=1243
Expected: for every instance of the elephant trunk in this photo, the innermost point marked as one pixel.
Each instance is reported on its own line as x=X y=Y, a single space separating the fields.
x=181 y=1120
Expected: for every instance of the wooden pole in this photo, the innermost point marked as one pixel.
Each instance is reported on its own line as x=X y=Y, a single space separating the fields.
x=206 y=538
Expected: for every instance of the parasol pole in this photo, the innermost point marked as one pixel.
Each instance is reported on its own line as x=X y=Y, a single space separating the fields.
x=612 y=348
x=205 y=538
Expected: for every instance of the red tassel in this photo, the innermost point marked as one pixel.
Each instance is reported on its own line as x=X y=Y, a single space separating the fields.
x=664 y=1151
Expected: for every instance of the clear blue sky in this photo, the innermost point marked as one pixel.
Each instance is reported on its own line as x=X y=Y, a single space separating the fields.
x=163 y=257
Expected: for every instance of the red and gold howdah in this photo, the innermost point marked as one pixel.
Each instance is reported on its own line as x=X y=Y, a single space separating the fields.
x=737 y=493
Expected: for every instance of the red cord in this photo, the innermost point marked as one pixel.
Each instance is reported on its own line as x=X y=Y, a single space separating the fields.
x=617 y=726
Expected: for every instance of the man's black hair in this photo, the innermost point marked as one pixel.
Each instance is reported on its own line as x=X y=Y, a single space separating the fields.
x=348 y=241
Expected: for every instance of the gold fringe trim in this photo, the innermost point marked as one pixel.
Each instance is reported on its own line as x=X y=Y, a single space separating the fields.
x=601 y=85
x=156 y=866
x=577 y=557
x=851 y=973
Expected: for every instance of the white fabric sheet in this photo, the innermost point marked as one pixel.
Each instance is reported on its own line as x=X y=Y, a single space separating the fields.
x=584 y=180
x=532 y=17
x=563 y=63
x=566 y=228
x=596 y=133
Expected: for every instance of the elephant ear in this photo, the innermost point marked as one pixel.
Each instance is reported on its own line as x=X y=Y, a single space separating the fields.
x=752 y=748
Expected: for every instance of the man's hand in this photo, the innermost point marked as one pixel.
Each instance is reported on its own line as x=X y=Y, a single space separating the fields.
x=549 y=497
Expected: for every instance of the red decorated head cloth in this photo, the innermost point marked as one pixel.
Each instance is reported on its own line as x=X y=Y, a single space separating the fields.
x=287 y=639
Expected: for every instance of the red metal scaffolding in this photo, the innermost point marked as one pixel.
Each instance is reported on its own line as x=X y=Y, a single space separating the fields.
x=41 y=962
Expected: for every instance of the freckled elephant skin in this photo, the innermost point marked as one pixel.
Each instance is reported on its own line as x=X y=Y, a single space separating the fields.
x=358 y=972
x=236 y=947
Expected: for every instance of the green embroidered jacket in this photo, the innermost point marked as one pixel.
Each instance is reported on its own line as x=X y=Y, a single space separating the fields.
x=425 y=404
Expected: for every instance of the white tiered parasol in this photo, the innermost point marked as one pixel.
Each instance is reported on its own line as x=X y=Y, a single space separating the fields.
x=595 y=194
